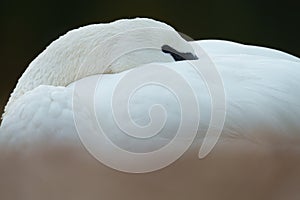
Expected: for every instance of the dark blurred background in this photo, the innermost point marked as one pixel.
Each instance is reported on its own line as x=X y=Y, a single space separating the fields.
x=27 y=27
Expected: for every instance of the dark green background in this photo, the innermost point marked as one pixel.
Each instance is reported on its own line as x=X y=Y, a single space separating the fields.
x=27 y=27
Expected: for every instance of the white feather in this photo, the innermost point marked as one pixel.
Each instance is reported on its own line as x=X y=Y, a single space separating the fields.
x=257 y=156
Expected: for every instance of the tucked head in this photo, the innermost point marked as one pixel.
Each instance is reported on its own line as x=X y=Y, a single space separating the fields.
x=103 y=48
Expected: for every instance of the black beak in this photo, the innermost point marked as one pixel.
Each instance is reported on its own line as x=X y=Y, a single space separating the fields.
x=178 y=56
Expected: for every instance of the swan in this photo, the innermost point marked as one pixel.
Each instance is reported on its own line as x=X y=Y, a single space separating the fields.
x=43 y=143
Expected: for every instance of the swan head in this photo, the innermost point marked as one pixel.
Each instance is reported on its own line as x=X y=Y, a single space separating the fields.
x=102 y=48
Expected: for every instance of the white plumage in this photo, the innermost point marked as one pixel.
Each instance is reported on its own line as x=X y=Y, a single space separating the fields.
x=257 y=156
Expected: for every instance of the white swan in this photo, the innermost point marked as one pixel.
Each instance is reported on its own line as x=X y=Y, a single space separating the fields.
x=257 y=156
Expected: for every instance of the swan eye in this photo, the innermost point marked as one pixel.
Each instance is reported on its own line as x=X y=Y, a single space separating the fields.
x=178 y=56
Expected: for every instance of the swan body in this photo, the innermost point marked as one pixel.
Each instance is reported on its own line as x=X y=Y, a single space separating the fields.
x=256 y=157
